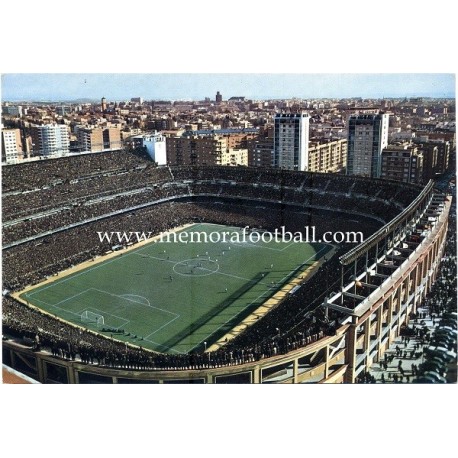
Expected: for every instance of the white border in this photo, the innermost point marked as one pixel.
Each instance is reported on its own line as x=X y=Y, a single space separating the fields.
x=257 y=36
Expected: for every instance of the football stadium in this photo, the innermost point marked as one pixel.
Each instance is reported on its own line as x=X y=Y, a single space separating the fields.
x=94 y=294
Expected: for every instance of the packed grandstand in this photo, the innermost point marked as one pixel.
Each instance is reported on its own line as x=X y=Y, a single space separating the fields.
x=53 y=209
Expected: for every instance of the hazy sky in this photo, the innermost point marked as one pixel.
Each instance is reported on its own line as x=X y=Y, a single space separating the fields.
x=197 y=86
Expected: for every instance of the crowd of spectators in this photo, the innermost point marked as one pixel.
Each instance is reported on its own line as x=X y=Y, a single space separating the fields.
x=79 y=189
x=43 y=332
x=35 y=175
x=441 y=304
x=38 y=187
x=81 y=213
x=71 y=191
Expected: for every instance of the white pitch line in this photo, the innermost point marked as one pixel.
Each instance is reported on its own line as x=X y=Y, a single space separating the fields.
x=254 y=245
x=63 y=300
x=252 y=302
x=107 y=313
x=218 y=272
x=135 y=302
x=287 y=246
x=156 y=258
x=163 y=326
x=89 y=269
x=165 y=346
x=240 y=278
x=84 y=271
x=78 y=314
x=136 y=295
x=59 y=308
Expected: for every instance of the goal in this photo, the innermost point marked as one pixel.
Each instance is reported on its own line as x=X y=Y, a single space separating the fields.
x=91 y=317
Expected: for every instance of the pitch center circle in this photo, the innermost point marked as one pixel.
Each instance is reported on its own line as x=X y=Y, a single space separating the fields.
x=196 y=267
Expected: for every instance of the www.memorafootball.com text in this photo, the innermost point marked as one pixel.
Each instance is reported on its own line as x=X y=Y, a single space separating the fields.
x=244 y=235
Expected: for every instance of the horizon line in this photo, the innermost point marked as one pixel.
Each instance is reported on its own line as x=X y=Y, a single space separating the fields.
x=194 y=99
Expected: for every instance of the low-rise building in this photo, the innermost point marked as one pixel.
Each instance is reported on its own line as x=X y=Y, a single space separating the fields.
x=12 y=150
x=327 y=157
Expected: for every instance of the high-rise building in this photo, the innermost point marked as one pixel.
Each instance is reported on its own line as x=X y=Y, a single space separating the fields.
x=12 y=150
x=50 y=140
x=291 y=138
x=104 y=104
x=219 y=97
x=367 y=137
x=402 y=163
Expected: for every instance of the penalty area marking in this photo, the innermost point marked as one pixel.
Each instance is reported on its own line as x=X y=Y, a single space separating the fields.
x=163 y=326
x=136 y=302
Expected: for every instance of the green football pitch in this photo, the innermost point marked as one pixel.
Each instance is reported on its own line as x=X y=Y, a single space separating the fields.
x=175 y=297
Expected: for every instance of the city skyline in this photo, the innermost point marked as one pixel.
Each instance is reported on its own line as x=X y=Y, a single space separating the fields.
x=197 y=86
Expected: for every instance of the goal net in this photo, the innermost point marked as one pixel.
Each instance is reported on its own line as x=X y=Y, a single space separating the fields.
x=91 y=317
